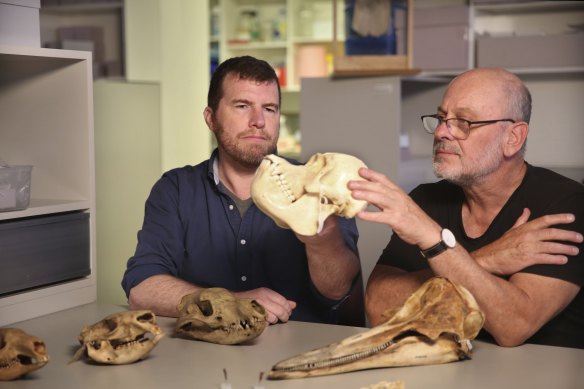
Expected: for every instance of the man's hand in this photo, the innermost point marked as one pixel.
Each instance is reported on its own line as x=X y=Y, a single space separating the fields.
x=278 y=307
x=529 y=243
x=396 y=209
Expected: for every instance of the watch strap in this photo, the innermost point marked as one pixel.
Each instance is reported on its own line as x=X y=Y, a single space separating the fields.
x=435 y=250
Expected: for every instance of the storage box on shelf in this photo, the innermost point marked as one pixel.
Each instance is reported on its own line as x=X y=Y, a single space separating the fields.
x=537 y=36
x=441 y=38
x=46 y=105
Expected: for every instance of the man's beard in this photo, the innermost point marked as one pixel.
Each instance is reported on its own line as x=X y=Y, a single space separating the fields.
x=471 y=172
x=248 y=155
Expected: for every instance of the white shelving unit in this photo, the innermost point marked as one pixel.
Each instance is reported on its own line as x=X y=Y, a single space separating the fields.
x=302 y=22
x=46 y=106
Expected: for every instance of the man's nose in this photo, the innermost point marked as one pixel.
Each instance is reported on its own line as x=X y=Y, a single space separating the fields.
x=257 y=118
x=442 y=131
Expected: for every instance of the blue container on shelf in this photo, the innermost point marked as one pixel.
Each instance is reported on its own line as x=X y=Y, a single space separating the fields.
x=356 y=44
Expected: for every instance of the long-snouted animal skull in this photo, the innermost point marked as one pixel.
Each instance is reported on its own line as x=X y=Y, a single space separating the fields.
x=217 y=316
x=301 y=197
x=120 y=338
x=435 y=325
x=20 y=353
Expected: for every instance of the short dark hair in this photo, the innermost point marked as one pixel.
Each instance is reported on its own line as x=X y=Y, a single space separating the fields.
x=247 y=68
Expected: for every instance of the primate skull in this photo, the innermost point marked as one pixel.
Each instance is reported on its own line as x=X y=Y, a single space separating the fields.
x=435 y=325
x=20 y=353
x=217 y=316
x=120 y=338
x=301 y=197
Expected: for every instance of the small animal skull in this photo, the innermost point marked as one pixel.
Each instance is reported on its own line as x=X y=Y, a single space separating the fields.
x=215 y=315
x=20 y=353
x=301 y=197
x=435 y=325
x=120 y=338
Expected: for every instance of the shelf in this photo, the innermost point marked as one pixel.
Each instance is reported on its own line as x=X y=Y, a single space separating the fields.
x=46 y=108
x=87 y=8
x=40 y=207
x=256 y=45
x=533 y=6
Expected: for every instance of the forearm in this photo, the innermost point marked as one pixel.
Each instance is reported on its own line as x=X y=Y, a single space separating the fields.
x=161 y=294
x=514 y=309
x=332 y=266
x=388 y=288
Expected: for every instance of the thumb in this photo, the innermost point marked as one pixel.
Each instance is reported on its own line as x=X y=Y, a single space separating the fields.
x=523 y=218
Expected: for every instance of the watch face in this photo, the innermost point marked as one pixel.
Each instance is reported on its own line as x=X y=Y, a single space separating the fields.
x=448 y=238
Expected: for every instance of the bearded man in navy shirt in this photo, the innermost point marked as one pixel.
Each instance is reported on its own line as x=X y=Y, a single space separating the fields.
x=201 y=228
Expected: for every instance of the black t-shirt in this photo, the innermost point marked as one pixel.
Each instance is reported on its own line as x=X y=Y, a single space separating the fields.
x=543 y=192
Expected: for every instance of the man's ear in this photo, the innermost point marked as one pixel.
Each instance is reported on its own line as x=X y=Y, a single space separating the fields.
x=516 y=137
x=208 y=116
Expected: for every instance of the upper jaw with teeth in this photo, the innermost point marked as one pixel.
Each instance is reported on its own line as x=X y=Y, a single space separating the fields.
x=435 y=325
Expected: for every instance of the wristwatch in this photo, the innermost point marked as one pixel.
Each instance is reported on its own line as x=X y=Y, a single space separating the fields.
x=448 y=241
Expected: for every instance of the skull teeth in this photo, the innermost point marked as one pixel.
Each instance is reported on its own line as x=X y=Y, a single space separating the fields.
x=280 y=179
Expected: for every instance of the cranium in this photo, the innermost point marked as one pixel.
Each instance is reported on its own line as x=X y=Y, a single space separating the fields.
x=20 y=353
x=435 y=325
x=215 y=315
x=302 y=197
x=120 y=338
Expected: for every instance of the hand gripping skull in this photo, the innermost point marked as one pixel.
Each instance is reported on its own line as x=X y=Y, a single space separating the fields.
x=20 y=353
x=215 y=315
x=302 y=197
x=120 y=338
x=435 y=325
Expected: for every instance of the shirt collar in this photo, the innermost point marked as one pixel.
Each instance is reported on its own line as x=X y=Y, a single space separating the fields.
x=214 y=166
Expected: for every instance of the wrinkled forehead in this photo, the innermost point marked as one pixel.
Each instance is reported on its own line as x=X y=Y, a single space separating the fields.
x=479 y=94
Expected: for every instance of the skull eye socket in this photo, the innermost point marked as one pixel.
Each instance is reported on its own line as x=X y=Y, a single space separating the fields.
x=205 y=307
x=258 y=307
x=147 y=317
x=111 y=324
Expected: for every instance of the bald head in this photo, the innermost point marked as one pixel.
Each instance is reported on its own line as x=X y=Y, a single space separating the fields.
x=495 y=86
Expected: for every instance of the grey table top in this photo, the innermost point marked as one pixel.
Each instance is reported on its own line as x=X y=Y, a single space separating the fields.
x=182 y=363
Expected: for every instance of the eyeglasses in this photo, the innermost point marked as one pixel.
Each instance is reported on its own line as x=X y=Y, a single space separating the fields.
x=459 y=128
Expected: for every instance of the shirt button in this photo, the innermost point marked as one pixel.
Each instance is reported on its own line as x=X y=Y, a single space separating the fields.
x=243 y=278
x=231 y=207
x=242 y=241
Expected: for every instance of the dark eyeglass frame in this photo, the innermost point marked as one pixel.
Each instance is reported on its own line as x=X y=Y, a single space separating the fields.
x=468 y=122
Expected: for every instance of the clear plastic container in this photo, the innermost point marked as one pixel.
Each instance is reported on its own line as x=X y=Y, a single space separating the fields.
x=15 y=187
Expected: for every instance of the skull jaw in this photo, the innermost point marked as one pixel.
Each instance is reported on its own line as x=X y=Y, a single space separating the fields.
x=195 y=329
x=12 y=369
x=414 y=350
x=127 y=353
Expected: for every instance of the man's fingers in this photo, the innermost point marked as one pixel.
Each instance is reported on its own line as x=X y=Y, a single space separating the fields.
x=560 y=235
x=523 y=218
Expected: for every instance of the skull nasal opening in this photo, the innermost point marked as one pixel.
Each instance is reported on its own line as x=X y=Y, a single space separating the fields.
x=206 y=307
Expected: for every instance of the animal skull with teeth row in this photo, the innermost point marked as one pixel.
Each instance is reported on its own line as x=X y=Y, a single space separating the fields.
x=20 y=353
x=435 y=325
x=120 y=338
x=217 y=316
x=301 y=197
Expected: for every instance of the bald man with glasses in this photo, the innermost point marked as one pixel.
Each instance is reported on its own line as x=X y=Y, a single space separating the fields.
x=510 y=232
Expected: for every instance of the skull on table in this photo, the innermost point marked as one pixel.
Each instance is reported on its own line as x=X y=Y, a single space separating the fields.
x=435 y=325
x=120 y=338
x=215 y=315
x=20 y=353
x=301 y=197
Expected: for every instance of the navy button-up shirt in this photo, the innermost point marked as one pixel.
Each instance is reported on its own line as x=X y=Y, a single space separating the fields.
x=194 y=231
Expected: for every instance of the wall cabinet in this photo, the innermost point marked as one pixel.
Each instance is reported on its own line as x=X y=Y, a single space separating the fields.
x=46 y=106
